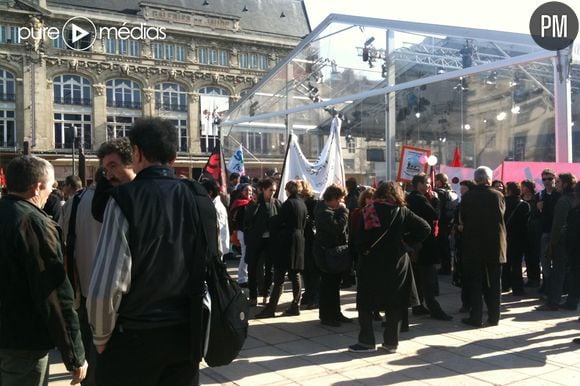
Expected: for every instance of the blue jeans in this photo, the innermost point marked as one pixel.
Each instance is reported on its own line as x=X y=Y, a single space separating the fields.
x=23 y=367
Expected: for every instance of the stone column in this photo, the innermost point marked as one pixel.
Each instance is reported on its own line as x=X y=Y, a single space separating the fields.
x=193 y=123
x=38 y=107
x=148 y=104
x=99 y=115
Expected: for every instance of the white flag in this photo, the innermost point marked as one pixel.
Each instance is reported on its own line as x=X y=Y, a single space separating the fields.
x=327 y=170
x=236 y=164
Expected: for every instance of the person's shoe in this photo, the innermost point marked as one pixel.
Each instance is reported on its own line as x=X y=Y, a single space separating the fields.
x=388 y=348
x=471 y=323
x=265 y=300
x=547 y=307
x=265 y=313
x=492 y=323
x=567 y=306
x=243 y=285
x=420 y=310
x=293 y=310
x=577 y=340
x=518 y=293
x=304 y=306
x=441 y=316
x=361 y=348
x=330 y=323
x=505 y=290
x=343 y=319
x=312 y=306
x=253 y=302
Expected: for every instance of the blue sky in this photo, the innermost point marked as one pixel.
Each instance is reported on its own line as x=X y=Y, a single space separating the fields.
x=500 y=15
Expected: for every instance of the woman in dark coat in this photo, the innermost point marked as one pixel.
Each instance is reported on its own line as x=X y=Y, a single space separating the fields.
x=384 y=273
x=257 y=237
x=517 y=213
x=331 y=221
x=311 y=274
x=289 y=258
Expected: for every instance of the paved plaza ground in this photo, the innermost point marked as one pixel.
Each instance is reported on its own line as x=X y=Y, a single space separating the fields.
x=527 y=348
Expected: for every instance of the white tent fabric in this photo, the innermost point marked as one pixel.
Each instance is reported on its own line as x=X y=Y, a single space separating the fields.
x=328 y=169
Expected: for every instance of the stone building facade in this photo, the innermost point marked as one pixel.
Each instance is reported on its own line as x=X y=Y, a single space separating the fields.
x=60 y=88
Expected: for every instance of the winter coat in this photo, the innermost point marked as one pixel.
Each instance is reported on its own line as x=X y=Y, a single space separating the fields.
x=289 y=235
x=517 y=213
x=384 y=275
x=484 y=235
x=420 y=205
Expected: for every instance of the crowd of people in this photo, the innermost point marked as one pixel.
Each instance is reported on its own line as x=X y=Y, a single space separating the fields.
x=112 y=274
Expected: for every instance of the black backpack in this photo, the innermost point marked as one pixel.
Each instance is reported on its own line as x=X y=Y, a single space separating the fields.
x=228 y=327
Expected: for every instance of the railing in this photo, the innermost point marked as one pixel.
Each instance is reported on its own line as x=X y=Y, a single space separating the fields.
x=125 y=104
x=73 y=101
x=171 y=107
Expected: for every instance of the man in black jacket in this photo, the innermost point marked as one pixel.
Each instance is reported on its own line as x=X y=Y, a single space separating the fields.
x=144 y=299
x=483 y=243
x=36 y=298
x=425 y=204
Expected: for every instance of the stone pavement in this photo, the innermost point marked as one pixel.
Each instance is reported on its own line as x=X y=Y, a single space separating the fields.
x=527 y=348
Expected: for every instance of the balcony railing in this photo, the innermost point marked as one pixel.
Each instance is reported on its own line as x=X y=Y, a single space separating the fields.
x=73 y=101
x=5 y=97
x=171 y=107
x=125 y=104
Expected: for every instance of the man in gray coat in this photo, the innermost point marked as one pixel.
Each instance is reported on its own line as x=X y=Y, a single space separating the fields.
x=484 y=246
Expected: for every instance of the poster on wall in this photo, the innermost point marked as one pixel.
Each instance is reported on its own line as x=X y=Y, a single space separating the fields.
x=410 y=163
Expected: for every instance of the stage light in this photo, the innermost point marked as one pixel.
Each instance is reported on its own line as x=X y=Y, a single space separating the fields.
x=369 y=41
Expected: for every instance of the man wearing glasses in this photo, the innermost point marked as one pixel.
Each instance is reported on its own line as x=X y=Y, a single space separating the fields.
x=547 y=199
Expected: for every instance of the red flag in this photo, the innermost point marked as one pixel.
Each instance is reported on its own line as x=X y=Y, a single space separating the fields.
x=375 y=182
x=456 y=163
x=215 y=167
x=2 y=178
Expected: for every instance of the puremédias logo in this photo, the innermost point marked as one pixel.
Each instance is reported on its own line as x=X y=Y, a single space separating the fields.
x=80 y=33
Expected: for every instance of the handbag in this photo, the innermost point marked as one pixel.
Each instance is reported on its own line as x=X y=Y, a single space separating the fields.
x=333 y=260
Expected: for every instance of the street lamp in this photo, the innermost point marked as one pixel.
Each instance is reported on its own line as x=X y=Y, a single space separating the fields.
x=74 y=129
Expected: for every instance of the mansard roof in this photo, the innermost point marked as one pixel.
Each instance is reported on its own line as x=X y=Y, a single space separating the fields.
x=261 y=16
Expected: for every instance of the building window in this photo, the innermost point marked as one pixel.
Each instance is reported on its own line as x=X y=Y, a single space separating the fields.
x=211 y=90
x=253 y=61
x=7 y=128
x=83 y=44
x=9 y=34
x=170 y=97
x=258 y=143
x=123 y=93
x=7 y=86
x=171 y=104
x=72 y=90
x=119 y=126
x=181 y=126
x=213 y=56
x=169 y=51
x=68 y=126
x=58 y=43
x=122 y=47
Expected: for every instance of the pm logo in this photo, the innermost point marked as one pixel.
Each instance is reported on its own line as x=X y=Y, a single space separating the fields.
x=554 y=26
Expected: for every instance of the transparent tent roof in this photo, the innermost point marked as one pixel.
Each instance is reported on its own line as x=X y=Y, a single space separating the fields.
x=401 y=82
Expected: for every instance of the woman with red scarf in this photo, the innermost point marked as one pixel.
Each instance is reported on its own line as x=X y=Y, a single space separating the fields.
x=384 y=274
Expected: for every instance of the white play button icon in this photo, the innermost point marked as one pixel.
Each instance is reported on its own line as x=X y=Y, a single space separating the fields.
x=79 y=33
